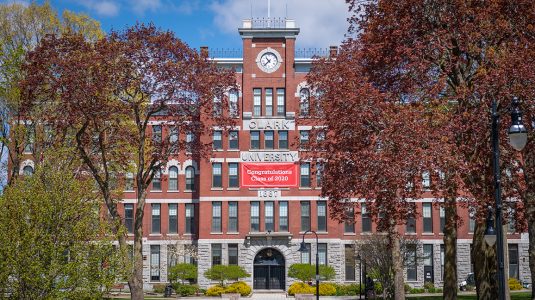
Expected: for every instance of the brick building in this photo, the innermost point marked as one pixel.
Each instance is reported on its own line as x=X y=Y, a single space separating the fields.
x=206 y=204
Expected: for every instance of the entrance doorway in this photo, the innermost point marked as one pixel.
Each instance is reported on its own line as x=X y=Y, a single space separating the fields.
x=269 y=270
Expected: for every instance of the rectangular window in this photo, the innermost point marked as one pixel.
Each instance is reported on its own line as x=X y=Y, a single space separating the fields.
x=233 y=103
x=157 y=133
x=173 y=218
x=218 y=141
x=233 y=142
x=513 y=261
x=427 y=217
x=129 y=217
x=269 y=102
x=428 y=263
x=281 y=105
x=366 y=220
x=233 y=178
x=155 y=218
x=216 y=254
x=217 y=180
x=255 y=216
x=319 y=173
x=173 y=139
x=129 y=182
x=322 y=216
x=232 y=217
x=411 y=220
x=322 y=253
x=172 y=256
x=283 y=139
x=305 y=215
x=350 y=263
x=283 y=216
x=233 y=254
x=411 y=263
x=269 y=219
x=303 y=139
x=154 y=262
x=442 y=213
x=426 y=180
x=268 y=139
x=190 y=218
x=349 y=224
x=305 y=175
x=257 y=102
x=305 y=256
x=216 y=216
x=156 y=181
x=190 y=140
x=471 y=219
x=255 y=139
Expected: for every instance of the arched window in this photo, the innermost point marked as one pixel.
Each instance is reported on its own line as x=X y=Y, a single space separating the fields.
x=173 y=178
x=233 y=103
x=304 y=103
x=27 y=171
x=190 y=178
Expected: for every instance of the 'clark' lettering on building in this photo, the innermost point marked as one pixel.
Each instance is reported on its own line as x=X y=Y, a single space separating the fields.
x=290 y=156
x=269 y=124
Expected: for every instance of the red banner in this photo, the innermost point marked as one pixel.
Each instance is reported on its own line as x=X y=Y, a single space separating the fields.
x=268 y=175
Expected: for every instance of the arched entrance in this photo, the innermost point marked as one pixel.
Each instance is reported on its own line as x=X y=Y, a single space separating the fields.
x=269 y=270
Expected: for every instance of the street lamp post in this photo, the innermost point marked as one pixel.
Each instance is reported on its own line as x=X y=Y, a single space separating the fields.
x=303 y=248
x=517 y=139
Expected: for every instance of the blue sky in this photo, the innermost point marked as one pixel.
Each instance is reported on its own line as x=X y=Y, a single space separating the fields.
x=214 y=23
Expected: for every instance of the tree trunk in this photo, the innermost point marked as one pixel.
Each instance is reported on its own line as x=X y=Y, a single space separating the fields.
x=450 y=250
x=397 y=261
x=484 y=258
x=531 y=232
x=136 y=280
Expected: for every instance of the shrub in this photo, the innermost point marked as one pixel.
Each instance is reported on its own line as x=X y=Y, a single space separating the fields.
x=185 y=289
x=307 y=272
x=223 y=273
x=326 y=289
x=300 y=288
x=215 y=291
x=347 y=289
x=408 y=288
x=429 y=287
x=438 y=290
x=417 y=291
x=239 y=287
x=378 y=287
x=514 y=284
x=159 y=288
x=182 y=272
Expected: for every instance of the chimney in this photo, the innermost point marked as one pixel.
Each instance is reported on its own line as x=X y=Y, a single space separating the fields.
x=204 y=51
x=333 y=51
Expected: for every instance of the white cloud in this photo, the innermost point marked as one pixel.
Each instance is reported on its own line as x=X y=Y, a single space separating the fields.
x=106 y=8
x=142 y=6
x=322 y=22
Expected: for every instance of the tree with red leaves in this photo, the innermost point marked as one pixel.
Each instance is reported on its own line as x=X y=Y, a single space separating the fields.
x=107 y=95
x=453 y=58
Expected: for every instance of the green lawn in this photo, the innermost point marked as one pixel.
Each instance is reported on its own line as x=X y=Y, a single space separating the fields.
x=514 y=296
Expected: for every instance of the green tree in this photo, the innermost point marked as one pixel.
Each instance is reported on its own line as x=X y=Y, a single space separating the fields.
x=21 y=29
x=49 y=230
x=182 y=272
x=224 y=273
x=307 y=272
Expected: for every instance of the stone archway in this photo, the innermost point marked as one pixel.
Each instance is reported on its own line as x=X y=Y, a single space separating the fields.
x=269 y=272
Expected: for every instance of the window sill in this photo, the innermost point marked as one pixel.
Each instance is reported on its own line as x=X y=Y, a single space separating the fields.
x=129 y=191
x=305 y=188
x=189 y=191
x=216 y=189
x=322 y=232
x=155 y=234
x=233 y=150
x=173 y=234
x=233 y=233
x=155 y=191
x=349 y=233
x=216 y=232
x=428 y=233
x=366 y=233
x=173 y=191
x=233 y=189
x=410 y=233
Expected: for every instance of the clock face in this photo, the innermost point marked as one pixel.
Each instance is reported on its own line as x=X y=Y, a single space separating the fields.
x=269 y=61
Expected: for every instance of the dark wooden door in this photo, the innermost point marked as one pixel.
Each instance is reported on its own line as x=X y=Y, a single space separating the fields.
x=268 y=271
